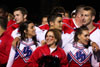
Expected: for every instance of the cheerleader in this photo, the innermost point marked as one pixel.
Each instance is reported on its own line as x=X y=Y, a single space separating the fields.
x=20 y=55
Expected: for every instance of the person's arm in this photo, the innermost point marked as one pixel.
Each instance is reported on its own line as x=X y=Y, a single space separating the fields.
x=11 y=57
x=64 y=60
x=15 y=42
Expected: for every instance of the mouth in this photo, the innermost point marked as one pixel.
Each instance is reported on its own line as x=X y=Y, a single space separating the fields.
x=86 y=42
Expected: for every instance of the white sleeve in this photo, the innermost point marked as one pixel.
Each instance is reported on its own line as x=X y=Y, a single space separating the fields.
x=39 y=34
x=67 y=48
x=67 y=38
x=11 y=57
x=94 y=62
x=15 y=33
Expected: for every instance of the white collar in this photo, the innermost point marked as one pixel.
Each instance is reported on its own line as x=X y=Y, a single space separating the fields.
x=75 y=23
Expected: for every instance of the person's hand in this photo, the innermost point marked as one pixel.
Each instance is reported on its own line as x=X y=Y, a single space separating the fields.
x=95 y=47
x=16 y=42
x=43 y=42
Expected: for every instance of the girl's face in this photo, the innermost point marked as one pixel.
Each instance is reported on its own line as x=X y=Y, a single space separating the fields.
x=84 y=37
x=30 y=30
x=50 y=38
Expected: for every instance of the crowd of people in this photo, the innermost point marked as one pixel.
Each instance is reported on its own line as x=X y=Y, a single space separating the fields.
x=62 y=39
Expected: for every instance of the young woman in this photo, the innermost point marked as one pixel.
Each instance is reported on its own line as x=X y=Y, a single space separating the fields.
x=79 y=53
x=19 y=57
x=52 y=37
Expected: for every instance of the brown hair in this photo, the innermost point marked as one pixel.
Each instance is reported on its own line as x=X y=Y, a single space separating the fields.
x=93 y=12
x=57 y=34
x=22 y=9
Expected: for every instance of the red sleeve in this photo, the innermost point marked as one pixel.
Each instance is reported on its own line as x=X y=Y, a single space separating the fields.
x=5 y=47
x=11 y=26
x=8 y=45
x=10 y=23
x=64 y=61
x=33 y=61
x=98 y=21
x=44 y=27
x=96 y=24
x=67 y=26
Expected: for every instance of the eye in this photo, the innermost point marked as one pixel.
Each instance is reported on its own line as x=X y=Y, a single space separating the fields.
x=59 y=21
x=50 y=36
x=87 y=35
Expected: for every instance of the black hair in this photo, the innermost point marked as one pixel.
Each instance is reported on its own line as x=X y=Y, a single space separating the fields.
x=52 y=17
x=24 y=26
x=79 y=31
x=22 y=9
x=58 y=10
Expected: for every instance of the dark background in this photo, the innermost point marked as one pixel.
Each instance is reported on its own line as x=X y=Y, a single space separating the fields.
x=38 y=8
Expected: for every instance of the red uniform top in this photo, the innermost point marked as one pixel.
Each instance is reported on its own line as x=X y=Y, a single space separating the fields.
x=96 y=24
x=44 y=27
x=5 y=46
x=44 y=51
x=68 y=25
x=65 y=27
x=98 y=21
x=11 y=26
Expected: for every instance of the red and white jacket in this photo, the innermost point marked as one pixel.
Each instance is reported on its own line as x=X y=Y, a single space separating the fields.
x=11 y=26
x=44 y=51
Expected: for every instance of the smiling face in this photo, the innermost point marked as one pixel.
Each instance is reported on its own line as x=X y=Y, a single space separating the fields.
x=84 y=37
x=50 y=38
x=30 y=30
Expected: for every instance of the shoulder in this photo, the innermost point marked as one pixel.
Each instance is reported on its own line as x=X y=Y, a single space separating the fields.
x=44 y=27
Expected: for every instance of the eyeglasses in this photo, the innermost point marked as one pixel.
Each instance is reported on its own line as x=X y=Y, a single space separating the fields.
x=50 y=36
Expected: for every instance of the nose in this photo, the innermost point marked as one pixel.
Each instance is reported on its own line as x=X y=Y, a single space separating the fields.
x=61 y=23
x=34 y=28
x=88 y=37
x=82 y=16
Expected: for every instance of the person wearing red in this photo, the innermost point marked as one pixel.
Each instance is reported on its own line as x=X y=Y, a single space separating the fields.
x=20 y=55
x=5 y=42
x=44 y=27
x=79 y=52
x=20 y=15
x=12 y=25
x=70 y=24
x=50 y=48
x=56 y=10
x=88 y=16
